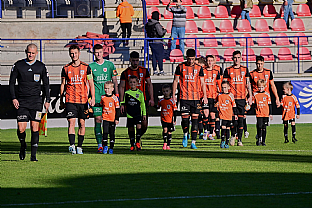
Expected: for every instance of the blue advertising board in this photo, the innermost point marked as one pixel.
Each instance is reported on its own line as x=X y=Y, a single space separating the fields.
x=303 y=91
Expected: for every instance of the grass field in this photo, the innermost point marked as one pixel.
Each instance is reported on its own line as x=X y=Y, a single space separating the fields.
x=278 y=175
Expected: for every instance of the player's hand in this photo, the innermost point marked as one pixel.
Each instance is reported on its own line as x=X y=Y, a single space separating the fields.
x=122 y=109
x=278 y=104
x=175 y=123
x=92 y=102
x=151 y=103
x=144 y=118
x=116 y=122
x=15 y=103
x=245 y=6
x=205 y=100
x=250 y=100
x=298 y=116
x=236 y=117
x=271 y=117
x=46 y=105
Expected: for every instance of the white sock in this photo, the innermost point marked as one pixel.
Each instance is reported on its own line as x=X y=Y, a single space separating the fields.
x=193 y=141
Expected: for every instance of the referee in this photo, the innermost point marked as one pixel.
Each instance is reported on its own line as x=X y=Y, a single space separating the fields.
x=29 y=73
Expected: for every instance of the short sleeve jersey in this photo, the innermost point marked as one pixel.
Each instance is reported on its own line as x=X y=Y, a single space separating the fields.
x=262 y=101
x=167 y=106
x=237 y=78
x=225 y=103
x=109 y=103
x=219 y=69
x=189 y=81
x=134 y=102
x=266 y=74
x=141 y=73
x=289 y=103
x=76 y=82
x=101 y=74
x=211 y=78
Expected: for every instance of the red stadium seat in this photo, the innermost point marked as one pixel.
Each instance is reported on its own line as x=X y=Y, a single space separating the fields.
x=169 y=26
x=255 y=11
x=303 y=10
x=198 y=53
x=166 y=2
x=191 y=27
x=203 y=12
x=243 y=25
x=303 y=40
x=281 y=41
x=284 y=54
x=213 y=51
x=151 y=10
x=226 y=26
x=269 y=11
x=242 y=41
x=304 y=54
x=187 y=2
x=229 y=41
x=221 y=12
x=176 y=56
x=236 y=12
x=228 y=54
x=267 y=54
x=251 y=55
x=191 y=42
x=167 y=14
x=208 y=27
x=279 y=25
x=210 y=42
x=297 y=25
x=262 y=25
x=152 y=2
x=282 y=12
x=189 y=13
x=264 y=41
x=202 y=2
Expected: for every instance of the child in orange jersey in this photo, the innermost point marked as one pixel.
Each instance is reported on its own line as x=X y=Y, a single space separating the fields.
x=110 y=114
x=168 y=115
x=263 y=106
x=289 y=103
x=226 y=106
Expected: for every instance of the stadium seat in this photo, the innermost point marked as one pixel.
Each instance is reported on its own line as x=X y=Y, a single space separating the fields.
x=242 y=41
x=297 y=25
x=279 y=25
x=264 y=41
x=210 y=42
x=208 y=27
x=262 y=25
x=251 y=55
x=167 y=14
x=151 y=10
x=281 y=41
x=203 y=12
x=269 y=11
x=189 y=13
x=176 y=56
x=255 y=11
x=198 y=53
x=236 y=12
x=19 y=3
x=169 y=26
x=282 y=12
x=202 y=2
x=284 y=54
x=191 y=42
x=226 y=26
x=303 y=40
x=187 y=2
x=304 y=54
x=191 y=27
x=267 y=54
x=152 y=2
x=228 y=41
x=221 y=12
x=243 y=25
x=303 y=10
x=166 y=2
x=39 y=3
x=213 y=51
x=228 y=54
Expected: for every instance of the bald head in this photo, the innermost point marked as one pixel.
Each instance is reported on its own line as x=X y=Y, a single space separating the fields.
x=31 y=46
x=31 y=52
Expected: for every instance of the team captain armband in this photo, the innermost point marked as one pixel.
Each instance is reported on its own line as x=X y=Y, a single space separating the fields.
x=89 y=76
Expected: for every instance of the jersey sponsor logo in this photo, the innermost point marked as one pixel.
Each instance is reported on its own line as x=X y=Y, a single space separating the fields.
x=21 y=117
x=82 y=72
x=102 y=77
x=238 y=78
x=36 y=77
x=76 y=79
x=210 y=80
x=104 y=69
x=70 y=114
x=29 y=70
x=189 y=77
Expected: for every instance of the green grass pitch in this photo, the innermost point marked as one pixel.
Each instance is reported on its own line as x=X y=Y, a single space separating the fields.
x=278 y=175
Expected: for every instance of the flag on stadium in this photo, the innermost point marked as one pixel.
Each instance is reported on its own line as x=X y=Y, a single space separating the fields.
x=303 y=91
x=43 y=130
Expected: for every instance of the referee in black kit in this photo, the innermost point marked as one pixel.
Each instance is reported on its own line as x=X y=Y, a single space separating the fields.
x=29 y=73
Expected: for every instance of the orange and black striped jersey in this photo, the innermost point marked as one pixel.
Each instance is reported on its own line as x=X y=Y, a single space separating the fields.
x=289 y=103
x=211 y=78
x=168 y=106
x=262 y=101
x=76 y=82
x=220 y=70
x=225 y=104
x=255 y=75
x=109 y=103
x=189 y=81
x=141 y=73
x=237 y=77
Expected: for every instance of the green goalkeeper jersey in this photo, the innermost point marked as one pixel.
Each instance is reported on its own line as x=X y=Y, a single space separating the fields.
x=134 y=103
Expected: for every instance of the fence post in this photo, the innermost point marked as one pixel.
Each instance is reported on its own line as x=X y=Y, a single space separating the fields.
x=298 y=55
x=103 y=12
x=92 y=49
x=247 y=51
x=0 y=9
x=41 y=50
x=195 y=47
x=52 y=8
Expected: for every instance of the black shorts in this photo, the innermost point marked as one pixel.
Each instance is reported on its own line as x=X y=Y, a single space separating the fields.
x=75 y=110
x=131 y=122
x=227 y=123
x=29 y=109
x=190 y=106
x=169 y=126
x=108 y=126
x=288 y=121
x=240 y=105
x=262 y=121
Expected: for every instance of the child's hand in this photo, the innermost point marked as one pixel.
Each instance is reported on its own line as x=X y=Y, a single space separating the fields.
x=298 y=116
x=122 y=109
x=144 y=118
x=175 y=123
x=271 y=117
x=116 y=122
x=236 y=117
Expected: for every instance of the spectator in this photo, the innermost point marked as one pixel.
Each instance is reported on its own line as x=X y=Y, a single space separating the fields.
x=125 y=13
x=246 y=6
x=155 y=30
x=178 y=23
x=288 y=10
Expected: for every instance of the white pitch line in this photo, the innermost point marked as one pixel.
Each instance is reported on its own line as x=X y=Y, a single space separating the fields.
x=156 y=198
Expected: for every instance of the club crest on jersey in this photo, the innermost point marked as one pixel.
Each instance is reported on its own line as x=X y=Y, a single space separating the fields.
x=214 y=75
x=195 y=71
x=141 y=74
x=255 y=77
x=227 y=101
x=289 y=104
x=266 y=76
x=82 y=72
x=243 y=73
x=104 y=69
x=168 y=106
x=137 y=95
x=110 y=104
x=264 y=98
x=115 y=72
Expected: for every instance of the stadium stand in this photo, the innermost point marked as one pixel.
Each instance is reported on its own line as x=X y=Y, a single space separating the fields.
x=189 y=13
x=203 y=12
x=262 y=25
x=264 y=41
x=176 y=56
x=236 y=11
x=302 y=40
x=229 y=41
x=187 y=2
x=167 y=14
x=297 y=25
x=166 y=2
x=267 y=54
x=228 y=54
x=191 y=27
x=152 y=2
x=242 y=42
x=255 y=11
x=243 y=25
x=284 y=54
x=210 y=42
x=304 y=54
x=303 y=10
x=279 y=41
x=269 y=11
x=202 y=2
x=208 y=27
x=251 y=55
x=213 y=51
x=279 y=25
x=221 y=12
x=191 y=42
x=226 y=26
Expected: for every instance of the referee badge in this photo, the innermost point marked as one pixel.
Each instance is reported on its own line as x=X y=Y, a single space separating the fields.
x=36 y=77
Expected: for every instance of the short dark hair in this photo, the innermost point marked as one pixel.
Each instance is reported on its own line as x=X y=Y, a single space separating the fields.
x=201 y=60
x=236 y=52
x=134 y=54
x=259 y=58
x=133 y=77
x=97 y=46
x=225 y=82
x=72 y=47
x=190 y=52
x=166 y=86
x=209 y=56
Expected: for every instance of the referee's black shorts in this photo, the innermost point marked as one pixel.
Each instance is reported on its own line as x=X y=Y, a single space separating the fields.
x=29 y=109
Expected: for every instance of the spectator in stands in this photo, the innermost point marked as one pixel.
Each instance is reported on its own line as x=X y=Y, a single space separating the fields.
x=288 y=10
x=125 y=13
x=155 y=30
x=178 y=23
x=246 y=6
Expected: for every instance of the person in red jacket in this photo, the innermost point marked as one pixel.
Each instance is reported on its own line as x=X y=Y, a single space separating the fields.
x=125 y=13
